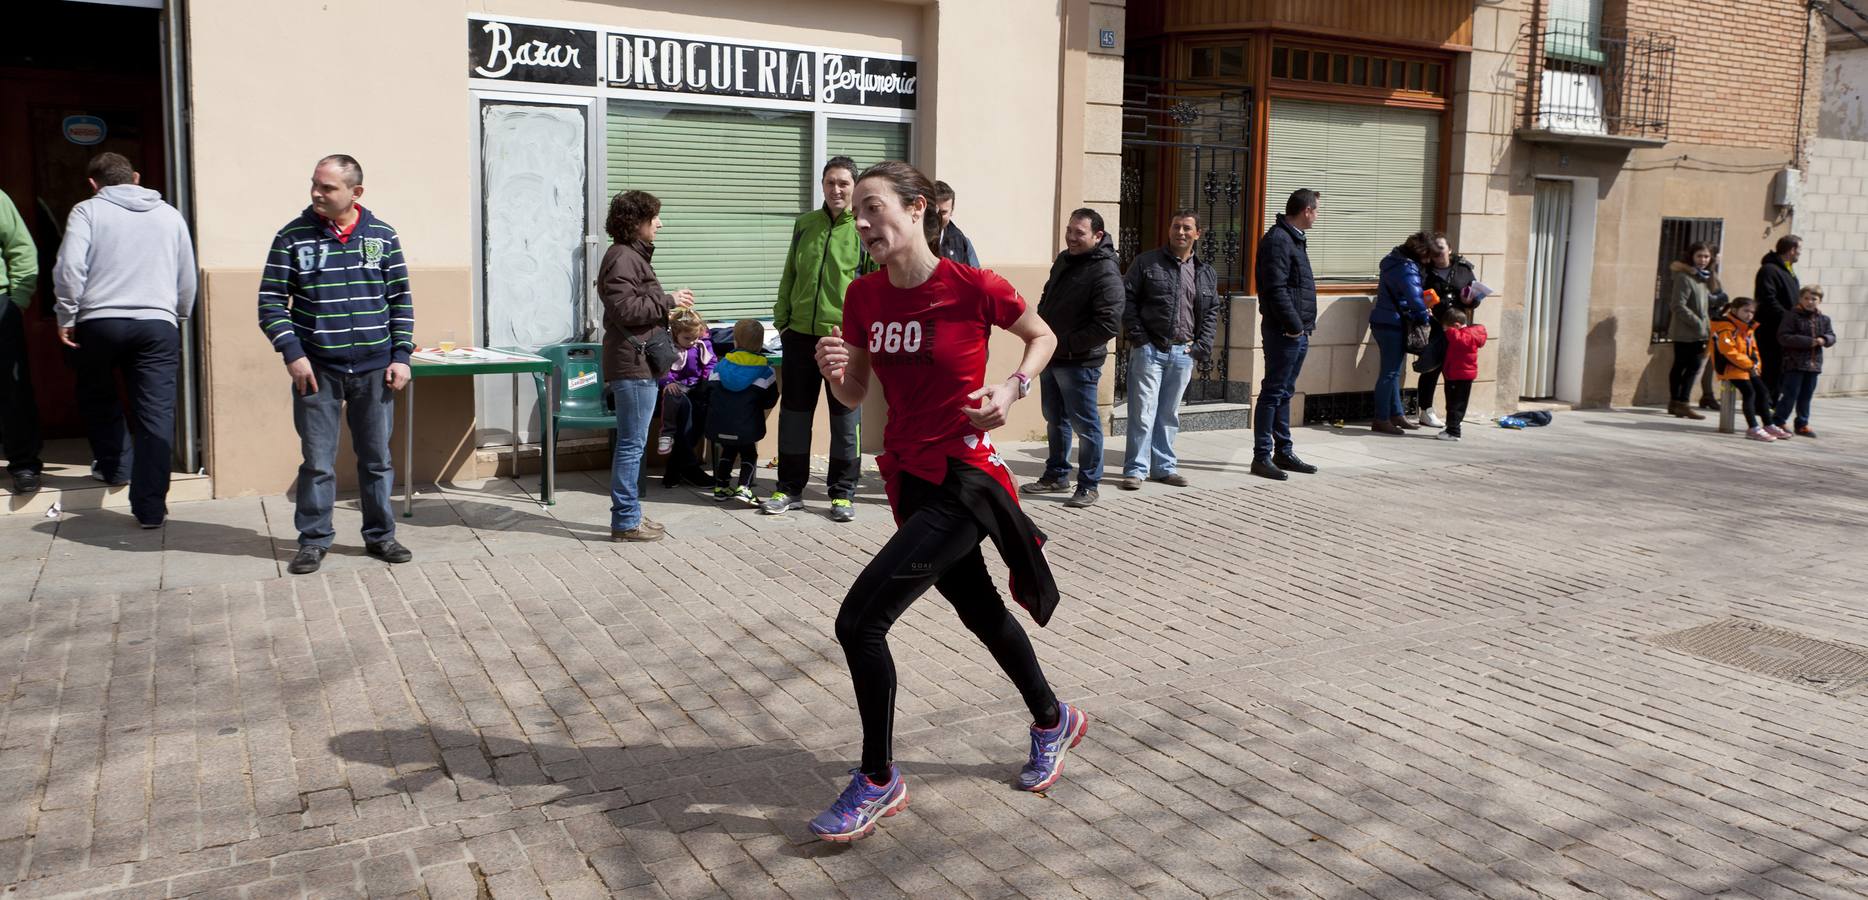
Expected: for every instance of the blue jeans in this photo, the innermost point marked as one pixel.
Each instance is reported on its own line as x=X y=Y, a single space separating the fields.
x=1798 y=388
x=635 y=405
x=1271 y=415
x=1392 y=343
x=367 y=403
x=149 y=354
x=1067 y=392
x=1157 y=380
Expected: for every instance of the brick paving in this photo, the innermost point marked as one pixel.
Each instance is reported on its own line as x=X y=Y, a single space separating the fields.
x=1429 y=677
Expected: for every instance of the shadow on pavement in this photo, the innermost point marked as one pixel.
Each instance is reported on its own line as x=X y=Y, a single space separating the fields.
x=770 y=788
x=111 y=530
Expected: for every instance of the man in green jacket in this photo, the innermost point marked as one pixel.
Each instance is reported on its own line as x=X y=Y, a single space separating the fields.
x=19 y=415
x=825 y=257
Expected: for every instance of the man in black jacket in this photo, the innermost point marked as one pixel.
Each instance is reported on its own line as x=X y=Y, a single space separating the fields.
x=1287 y=307
x=1082 y=302
x=1170 y=314
x=1776 y=291
x=954 y=244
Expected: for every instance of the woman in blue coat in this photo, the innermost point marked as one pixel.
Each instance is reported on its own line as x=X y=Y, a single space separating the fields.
x=1397 y=304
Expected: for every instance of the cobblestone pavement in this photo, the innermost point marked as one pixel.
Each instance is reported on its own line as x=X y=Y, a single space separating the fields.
x=1433 y=677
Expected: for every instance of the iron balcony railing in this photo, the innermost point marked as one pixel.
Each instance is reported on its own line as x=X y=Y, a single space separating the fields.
x=1593 y=82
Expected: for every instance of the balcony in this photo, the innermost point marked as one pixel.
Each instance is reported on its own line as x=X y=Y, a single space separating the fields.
x=1591 y=84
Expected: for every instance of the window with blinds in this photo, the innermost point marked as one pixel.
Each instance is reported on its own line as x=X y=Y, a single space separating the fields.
x=1378 y=168
x=867 y=142
x=1573 y=32
x=731 y=182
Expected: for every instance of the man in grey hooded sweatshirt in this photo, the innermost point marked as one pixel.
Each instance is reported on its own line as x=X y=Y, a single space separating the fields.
x=125 y=279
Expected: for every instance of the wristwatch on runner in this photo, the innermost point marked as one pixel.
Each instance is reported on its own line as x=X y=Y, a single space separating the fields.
x=1024 y=384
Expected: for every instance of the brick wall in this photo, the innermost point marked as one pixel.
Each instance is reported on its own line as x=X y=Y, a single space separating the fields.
x=1738 y=66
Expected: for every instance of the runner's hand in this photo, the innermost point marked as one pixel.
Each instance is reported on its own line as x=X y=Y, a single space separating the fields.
x=833 y=356
x=994 y=401
x=304 y=380
x=397 y=377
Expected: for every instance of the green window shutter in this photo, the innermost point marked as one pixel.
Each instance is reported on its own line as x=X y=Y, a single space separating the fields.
x=865 y=141
x=1573 y=32
x=1378 y=168
x=731 y=182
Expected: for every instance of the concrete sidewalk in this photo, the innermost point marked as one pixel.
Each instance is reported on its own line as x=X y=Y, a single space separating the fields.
x=90 y=551
x=1433 y=670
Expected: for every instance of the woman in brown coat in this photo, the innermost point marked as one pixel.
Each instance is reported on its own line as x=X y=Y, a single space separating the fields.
x=635 y=316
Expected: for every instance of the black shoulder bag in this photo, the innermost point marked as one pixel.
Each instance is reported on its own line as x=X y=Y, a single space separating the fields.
x=1418 y=336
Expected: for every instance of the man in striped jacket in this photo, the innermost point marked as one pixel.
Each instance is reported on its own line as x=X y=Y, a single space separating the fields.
x=334 y=300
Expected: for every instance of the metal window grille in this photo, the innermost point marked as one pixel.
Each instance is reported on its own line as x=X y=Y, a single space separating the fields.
x=1677 y=234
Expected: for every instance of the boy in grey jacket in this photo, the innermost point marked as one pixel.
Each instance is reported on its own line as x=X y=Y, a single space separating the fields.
x=125 y=279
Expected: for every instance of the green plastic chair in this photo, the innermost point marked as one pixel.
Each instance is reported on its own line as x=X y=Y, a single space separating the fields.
x=580 y=387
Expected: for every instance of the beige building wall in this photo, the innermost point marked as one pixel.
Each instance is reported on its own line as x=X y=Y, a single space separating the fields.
x=989 y=122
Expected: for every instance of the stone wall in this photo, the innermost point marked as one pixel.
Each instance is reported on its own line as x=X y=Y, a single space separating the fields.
x=1833 y=222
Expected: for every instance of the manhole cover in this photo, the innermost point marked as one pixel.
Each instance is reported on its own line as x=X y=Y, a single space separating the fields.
x=1828 y=666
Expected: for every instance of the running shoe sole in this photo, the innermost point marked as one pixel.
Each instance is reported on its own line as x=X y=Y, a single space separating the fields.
x=1083 y=728
x=900 y=804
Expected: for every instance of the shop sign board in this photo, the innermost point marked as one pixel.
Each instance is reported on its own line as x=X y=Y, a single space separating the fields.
x=517 y=51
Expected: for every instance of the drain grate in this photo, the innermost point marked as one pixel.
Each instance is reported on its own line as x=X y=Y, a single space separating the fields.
x=1828 y=666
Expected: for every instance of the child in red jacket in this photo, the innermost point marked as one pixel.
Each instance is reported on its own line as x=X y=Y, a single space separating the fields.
x=1461 y=367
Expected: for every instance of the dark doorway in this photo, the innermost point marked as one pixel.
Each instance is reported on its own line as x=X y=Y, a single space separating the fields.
x=76 y=79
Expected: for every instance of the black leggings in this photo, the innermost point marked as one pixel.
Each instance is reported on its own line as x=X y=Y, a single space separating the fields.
x=938 y=547
x=682 y=417
x=1430 y=379
x=1688 y=356
x=1751 y=393
x=747 y=455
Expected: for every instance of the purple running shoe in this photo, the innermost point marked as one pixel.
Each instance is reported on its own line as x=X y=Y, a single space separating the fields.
x=861 y=805
x=1050 y=745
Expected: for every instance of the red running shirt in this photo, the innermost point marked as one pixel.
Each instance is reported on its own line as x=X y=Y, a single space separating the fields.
x=927 y=345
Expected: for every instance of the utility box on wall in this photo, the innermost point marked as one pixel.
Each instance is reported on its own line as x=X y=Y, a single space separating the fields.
x=1787 y=187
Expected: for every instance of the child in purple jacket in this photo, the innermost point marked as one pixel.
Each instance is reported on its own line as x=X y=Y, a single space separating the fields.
x=684 y=399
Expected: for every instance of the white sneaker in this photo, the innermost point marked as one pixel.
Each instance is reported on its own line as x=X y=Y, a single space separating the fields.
x=1446 y=436
x=1759 y=434
x=665 y=445
x=1432 y=420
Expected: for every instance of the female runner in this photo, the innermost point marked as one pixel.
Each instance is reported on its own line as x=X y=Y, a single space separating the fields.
x=921 y=325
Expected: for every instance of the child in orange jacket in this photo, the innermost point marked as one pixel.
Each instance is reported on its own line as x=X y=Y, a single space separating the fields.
x=1735 y=361
x=1461 y=365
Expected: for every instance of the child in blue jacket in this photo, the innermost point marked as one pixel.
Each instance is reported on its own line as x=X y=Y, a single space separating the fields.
x=742 y=388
